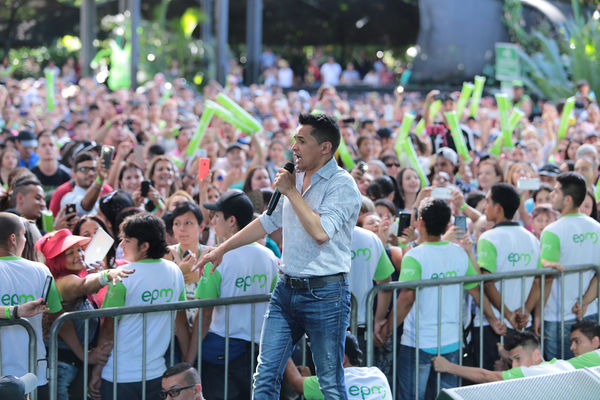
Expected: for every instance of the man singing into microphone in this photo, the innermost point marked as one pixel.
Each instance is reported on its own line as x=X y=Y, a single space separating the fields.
x=317 y=213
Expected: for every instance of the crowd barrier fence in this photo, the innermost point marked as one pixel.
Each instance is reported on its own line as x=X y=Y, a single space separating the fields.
x=32 y=349
x=480 y=279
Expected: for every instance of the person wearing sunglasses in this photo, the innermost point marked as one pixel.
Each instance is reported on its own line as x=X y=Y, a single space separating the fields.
x=181 y=382
x=87 y=186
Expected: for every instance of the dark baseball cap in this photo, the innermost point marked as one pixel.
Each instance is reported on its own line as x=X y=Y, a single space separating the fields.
x=27 y=139
x=234 y=202
x=234 y=145
x=550 y=170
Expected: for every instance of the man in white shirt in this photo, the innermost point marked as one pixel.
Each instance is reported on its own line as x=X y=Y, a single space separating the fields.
x=367 y=383
x=248 y=270
x=331 y=71
x=569 y=241
x=506 y=247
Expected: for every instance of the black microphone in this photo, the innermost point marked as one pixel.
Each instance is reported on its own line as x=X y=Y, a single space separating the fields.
x=289 y=167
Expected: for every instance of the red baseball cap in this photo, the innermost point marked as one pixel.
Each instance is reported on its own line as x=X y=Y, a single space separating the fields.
x=54 y=243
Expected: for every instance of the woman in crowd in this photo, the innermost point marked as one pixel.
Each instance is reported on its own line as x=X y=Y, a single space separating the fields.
x=9 y=158
x=409 y=186
x=131 y=177
x=64 y=257
x=489 y=174
x=256 y=178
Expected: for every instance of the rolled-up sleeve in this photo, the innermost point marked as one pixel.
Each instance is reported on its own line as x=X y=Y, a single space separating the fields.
x=271 y=223
x=343 y=201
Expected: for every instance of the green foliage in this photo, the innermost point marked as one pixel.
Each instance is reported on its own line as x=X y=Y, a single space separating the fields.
x=41 y=55
x=163 y=41
x=552 y=63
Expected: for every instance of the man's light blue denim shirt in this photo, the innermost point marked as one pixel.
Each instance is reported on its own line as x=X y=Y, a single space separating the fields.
x=333 y=195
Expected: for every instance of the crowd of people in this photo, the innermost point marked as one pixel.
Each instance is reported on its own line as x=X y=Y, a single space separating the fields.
x=532 y=206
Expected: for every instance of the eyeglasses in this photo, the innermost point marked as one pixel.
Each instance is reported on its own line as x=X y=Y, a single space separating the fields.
x=390 y=165
x=174 y=392
x=85 y=170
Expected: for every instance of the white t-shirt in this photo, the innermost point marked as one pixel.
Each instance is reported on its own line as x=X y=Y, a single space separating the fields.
x=246 y=271
x=74 y=197
x=435 y=260
x=21 y=281
x=370 y=263
x=553 y=366
x=285 y=76
x=508 y=248
x=364 y=383
x=571 y=240
x=155 y=281
x=331 y=73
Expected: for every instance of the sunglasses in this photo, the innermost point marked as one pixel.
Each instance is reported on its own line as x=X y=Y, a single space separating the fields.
x=174 y=392
x=392 y=165
x=85 y=170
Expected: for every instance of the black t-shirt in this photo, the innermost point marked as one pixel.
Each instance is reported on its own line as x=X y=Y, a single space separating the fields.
x=51 y=182
x=62 y=175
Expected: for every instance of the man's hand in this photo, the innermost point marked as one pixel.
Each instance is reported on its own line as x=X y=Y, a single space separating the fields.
x=511 y=317
x=65 y=220
x=431 y=96
x=32 y=308
x=579 y=310
x=101 y=171
x=379 y=337
x=522 y=318
x=498 y=327
x=551 y=264
x=440 y=364
x=215 y=256
x=304 y=370
x=95 y=382
x=99 y=355
x=284 y=181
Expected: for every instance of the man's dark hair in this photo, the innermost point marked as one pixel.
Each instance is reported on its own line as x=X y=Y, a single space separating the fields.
x=324 y=129
x=524 y=339
x=572 y=184
x=179 y=210
x=156 y=150
x=146 y=228
x=190 y=377
x=83 y=157
x=507 y=196
x=23 y=185
x=474 y=197
x=588 y=328
x=436 y=214
x=10 y=223
x=352 y=349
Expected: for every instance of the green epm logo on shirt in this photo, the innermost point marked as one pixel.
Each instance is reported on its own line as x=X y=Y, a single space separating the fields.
x=366 y=252
x=156 y=294
x=579 y=238
x=441 y=275
x=364 y=391
x=15 y=299
x=248 y=280
x=516 y=257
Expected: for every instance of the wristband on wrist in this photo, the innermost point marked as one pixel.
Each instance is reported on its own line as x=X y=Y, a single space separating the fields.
x=99 y=181
x=108 y=124
x=402 y=245
x=7 y=312
x=15 y=312
x=103 y=278
x=463 y=206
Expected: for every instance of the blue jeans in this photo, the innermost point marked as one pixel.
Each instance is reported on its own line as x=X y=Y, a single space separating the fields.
x=321 y=313
x=427 y=376
x=66 y=374
x=552 y=338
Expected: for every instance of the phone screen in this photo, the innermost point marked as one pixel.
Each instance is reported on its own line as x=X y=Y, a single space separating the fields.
x=203 y=167
x=46 y=290
x=404 y=222
x=461 y=222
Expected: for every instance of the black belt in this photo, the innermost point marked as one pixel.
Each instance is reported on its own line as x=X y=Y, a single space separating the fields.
x=313 y=282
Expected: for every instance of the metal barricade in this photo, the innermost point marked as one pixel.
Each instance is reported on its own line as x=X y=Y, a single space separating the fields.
x=32 y=349
x=542 y=273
